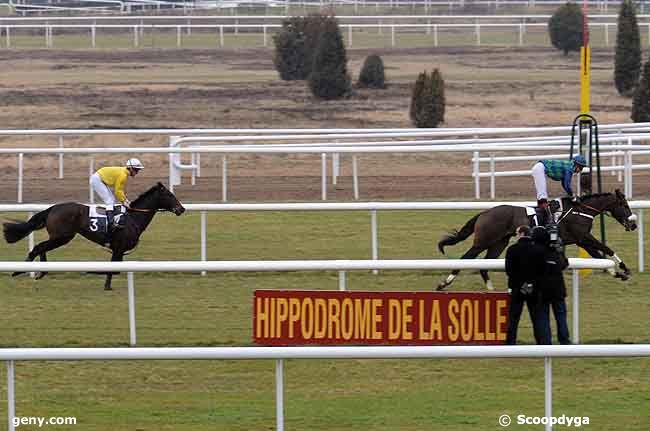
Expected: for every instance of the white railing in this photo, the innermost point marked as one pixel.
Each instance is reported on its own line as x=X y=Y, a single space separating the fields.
x=372 y=207
x=279 y=354
x=341 y=266
x=221 y=30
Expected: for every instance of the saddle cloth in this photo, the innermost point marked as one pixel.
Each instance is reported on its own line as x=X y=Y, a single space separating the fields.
x=97 y=217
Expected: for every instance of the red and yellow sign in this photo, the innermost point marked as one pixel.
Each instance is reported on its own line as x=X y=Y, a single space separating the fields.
x=400 y=318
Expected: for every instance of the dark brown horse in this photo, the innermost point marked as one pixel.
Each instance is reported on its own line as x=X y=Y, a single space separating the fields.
x=493 y=229
x=64 y=221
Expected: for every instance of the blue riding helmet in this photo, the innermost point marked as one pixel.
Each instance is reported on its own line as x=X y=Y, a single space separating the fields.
x=580 y=160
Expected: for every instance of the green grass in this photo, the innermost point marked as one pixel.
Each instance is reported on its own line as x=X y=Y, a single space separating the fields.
x=65 y=310
x=366 y=38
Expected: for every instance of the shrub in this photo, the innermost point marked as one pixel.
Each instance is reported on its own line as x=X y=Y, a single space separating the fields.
x=641 y=100
x=295 y=44
x=329 y=78
x=627 y=65
x=428 y=100
x=565 y=28
x=372 y=73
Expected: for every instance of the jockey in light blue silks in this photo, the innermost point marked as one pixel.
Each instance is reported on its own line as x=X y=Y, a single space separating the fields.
x=558 y=170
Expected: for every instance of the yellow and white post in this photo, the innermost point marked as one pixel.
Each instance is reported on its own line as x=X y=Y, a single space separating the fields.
x=585 y=80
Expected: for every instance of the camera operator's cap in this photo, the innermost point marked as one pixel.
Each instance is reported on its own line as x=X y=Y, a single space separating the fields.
x=540 y=235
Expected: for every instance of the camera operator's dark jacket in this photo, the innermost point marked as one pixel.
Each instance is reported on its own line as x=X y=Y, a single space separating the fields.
x=552 y=283
x=525 y=263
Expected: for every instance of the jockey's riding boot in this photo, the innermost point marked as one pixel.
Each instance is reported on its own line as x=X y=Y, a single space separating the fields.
x=110 y=219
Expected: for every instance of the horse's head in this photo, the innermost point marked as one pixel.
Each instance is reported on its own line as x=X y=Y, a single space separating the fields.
x=167 y=200
x=620 y=210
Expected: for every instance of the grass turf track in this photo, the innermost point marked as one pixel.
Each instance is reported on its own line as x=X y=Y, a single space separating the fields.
x=190 y=310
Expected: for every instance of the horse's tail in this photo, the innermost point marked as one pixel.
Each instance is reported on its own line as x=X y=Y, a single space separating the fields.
x=16 y=231
x=459 y=235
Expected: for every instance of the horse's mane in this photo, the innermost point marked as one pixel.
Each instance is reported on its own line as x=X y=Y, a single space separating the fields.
x=146 y=194
x=595 y=195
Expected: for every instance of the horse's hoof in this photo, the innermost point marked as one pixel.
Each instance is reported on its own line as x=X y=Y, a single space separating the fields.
x=108 y=288
x=441 y=286
x=16 y=274
x=40 y=275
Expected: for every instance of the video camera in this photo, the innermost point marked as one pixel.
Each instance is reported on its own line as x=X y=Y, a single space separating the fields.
x=556 y=241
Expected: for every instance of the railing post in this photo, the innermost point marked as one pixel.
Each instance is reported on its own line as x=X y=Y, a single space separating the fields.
x=323 y=176
x=91 y=171
x=548 y=392
x=30 y=242
x=335 y=168
x=20 y=178
x=492 y=178
x=342 y=280
x=61 y=158
x=373 y=235
x=477 y=180
x=279 y=394
x=131 y=289
x=204 y=254
x=575 y=309
x=11 y=395
x=224 y=178
x=355 y=177
x=641 y=249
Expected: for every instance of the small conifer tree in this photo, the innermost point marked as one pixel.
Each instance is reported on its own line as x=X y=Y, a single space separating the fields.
x=641 y=100
x=627 y=65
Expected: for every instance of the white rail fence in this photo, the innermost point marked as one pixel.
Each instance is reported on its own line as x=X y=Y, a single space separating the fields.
x=280 y=354
x=323 y=150
x=259 y=135
x=342 y=266
x=219 y=31
x=372 y=207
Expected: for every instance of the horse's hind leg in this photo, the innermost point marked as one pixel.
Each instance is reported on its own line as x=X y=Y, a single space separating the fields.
x=493 y=252
x=470 y=254
x=43 y=247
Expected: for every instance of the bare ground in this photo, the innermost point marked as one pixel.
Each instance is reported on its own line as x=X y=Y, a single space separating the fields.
x=495 y=87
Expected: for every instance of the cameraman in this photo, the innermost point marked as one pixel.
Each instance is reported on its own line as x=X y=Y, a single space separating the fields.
x=525 y=266
x=552 y=283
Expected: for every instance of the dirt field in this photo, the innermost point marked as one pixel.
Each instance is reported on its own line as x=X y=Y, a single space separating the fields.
x=498 y=86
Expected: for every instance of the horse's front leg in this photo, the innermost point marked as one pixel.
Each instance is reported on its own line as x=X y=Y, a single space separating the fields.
x=599 y=250
x=117 y=257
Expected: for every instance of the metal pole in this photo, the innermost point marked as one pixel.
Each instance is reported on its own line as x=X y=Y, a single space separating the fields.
x=342 y=280
x=279 y=395
x=60 y=158
x=335 y=168
x=548 y=392
x=91 y=170
x=193 y=163
x=323 y=175
x=373 y=234
x=575 y=309
x=131 y=288
x=11 y=395
x=224 y=179
x=492 y=177
x=30 y=242
x=204 y=254
x=641 y=247
x=477 y=180
x=355 y=178
x=20 y=178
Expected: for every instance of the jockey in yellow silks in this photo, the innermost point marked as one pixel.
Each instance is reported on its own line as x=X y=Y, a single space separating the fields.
x=109 y=184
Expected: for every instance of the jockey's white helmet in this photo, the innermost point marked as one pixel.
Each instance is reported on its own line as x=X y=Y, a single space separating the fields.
x=134 y=163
